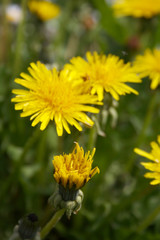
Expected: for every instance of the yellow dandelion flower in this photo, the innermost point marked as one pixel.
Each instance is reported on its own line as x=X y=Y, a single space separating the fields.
x=44 y=10
x=73 y=170
x=148 y=65
x=104 y=73
x=154 y=166
x=137 y=8
x=53 y=96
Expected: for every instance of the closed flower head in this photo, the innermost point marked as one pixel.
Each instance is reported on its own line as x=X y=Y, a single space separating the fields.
x=73 y=170
x=153 y=166
x=137 y=8
x=44 y=10
x=52 y=95
x=104 y=73
x=149 y=65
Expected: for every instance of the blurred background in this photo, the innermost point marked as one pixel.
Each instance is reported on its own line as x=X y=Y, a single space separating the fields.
x=119 y=203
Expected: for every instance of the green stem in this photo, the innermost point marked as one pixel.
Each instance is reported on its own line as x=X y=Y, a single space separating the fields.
x=4 y=32
x=20 y=38
x=62 y=33
x=147 y=221
x=60 y=144
x=92 y=138
x=47 y=228
x=146 y=123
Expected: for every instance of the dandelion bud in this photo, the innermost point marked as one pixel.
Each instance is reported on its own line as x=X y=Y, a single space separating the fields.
x=28 y=226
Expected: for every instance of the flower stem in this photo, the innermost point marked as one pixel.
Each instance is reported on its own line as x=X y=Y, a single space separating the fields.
x=149 y=219
x=60 y=144
x=56 y=217
x=92 y=137
x=20 y=38
x=4 y=34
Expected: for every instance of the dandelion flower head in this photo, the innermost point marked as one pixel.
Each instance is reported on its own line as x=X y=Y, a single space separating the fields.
x=149 y=65
x=51 y=95
x=137 y=8
x=44 y=10
x=104 y=73
x=75 y=169
x=153 y=166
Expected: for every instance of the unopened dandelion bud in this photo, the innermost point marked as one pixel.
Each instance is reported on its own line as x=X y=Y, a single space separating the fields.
x=114 y=114
x=28 y=226
x=109 y=109
x=100 y=132
x=104 y=116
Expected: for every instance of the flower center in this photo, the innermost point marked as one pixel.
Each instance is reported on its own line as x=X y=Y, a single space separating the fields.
x=97 y=74
x=58 y=96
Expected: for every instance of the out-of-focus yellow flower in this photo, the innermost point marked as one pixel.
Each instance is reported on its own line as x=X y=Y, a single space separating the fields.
x=154 y=166
x=149 y=65
x=52 y=95
x=44 y=10
x=104 y=73
x=73 y=170
x=137 y=8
